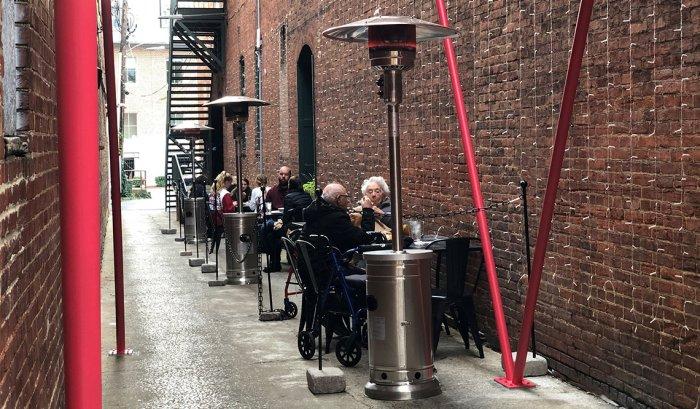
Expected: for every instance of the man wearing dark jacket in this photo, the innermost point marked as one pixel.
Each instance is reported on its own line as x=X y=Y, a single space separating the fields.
x=328 y=216
x=295 y=202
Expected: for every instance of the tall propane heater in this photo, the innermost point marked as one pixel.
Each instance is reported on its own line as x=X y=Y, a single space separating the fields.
x=194 y=224
x=242 y=264
x=398 y=280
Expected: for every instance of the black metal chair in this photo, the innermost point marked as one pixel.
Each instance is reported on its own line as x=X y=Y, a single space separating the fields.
x=455 y=296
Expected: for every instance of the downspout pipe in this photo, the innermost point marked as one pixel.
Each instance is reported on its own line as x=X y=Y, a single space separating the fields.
x=258 y=85
x=477 y=198
x=550 y=196
x=75 y=22
x=114 y=175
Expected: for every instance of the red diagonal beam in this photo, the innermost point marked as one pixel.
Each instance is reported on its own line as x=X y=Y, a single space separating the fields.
x=478 y=199
x=567 y=105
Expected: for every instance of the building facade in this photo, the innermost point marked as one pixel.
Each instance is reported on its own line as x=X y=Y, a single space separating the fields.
x=146 y=87
x=618 y=311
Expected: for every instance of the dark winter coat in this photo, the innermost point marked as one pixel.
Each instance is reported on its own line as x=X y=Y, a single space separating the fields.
x=333 y=222
x=294 y=204
x=385 y=206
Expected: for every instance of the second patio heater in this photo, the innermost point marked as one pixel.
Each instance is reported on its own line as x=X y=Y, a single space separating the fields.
x=398 y=280
x=194 y=208
x=242 y=264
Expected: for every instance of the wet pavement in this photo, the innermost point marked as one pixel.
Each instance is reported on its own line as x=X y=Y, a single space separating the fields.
x=197 y=346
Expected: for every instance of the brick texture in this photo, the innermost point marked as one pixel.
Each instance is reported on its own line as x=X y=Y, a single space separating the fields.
x=31 y=346
x=619 y=301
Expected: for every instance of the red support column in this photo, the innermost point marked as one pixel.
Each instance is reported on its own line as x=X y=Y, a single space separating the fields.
x=114 y=176
x=567 y=105
x=473 y=173
x=76 y=57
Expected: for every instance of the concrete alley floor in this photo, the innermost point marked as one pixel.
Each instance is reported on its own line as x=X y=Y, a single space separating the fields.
x=203 y=347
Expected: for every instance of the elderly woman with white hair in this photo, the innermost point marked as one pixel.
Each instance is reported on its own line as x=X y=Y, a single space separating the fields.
x=376 y=191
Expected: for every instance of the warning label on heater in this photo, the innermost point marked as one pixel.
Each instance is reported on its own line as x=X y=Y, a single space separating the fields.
x=378 y=328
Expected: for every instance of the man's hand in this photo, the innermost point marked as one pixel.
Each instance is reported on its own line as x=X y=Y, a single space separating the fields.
x=356 y=219
x=277 y=225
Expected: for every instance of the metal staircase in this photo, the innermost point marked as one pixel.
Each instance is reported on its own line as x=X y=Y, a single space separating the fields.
x=196 y=56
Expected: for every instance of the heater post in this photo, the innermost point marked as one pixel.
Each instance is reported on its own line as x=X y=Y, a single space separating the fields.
x=393 y=96
x=239 y=166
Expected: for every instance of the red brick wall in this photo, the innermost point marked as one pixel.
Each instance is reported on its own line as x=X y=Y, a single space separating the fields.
x=30 y=276
x=618 y=308
x=31 y=345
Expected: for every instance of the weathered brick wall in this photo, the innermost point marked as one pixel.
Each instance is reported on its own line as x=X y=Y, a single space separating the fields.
x=30 y=275
x=618 y=308
x=31 y=345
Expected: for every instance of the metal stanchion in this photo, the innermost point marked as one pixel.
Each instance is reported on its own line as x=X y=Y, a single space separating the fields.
x=183 y=217
x=216 y=283
x=170 y=229
x=526 y=233
x=178 y=211
x=398 y=281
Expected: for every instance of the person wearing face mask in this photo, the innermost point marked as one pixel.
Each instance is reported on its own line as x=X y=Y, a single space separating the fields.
x=328 y=216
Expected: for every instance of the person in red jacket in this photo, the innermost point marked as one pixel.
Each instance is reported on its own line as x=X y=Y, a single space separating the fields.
x=222 y=203
x=226 y=202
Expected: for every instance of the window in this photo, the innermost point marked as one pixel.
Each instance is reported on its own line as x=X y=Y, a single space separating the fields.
x=129 y=167
x=130 y=128
x=283 y=45
x=241 y=74
x=130 y=69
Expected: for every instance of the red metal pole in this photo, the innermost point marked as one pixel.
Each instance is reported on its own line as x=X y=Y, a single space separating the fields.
x=567 y=105
x=114 y=176
x=481 y=220
x=76 y=55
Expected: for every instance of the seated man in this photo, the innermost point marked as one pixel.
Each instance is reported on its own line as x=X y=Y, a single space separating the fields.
x=328 y=216
x=295 y=202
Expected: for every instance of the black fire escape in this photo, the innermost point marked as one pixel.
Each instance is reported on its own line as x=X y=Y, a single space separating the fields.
x=196 y=58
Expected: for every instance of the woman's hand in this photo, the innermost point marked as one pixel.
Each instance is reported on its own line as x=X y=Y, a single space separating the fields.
x=366 y=203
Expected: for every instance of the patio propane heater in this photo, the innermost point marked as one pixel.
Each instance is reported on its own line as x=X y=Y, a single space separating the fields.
x=193 y=131
x=242 y=266
x=398 y=280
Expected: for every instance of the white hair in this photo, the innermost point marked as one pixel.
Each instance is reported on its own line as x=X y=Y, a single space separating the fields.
x=379 y=181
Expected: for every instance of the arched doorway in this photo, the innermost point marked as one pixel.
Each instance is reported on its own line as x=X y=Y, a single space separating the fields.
x=305 y=115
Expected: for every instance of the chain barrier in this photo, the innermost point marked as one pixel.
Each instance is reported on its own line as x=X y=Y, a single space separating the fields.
x=471 y=210
x=235 y=254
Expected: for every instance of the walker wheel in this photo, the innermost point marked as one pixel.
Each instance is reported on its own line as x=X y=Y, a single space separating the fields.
x=306 y=344
x=291 y=309
x=348 y=351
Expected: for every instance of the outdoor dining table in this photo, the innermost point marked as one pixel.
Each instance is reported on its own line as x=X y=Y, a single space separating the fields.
x=438 y=245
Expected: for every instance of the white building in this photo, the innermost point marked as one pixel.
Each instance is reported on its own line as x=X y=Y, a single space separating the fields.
x=145 y=104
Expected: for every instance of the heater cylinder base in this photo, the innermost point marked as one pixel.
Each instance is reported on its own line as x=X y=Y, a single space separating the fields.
x=406 y=391
x=242 y=280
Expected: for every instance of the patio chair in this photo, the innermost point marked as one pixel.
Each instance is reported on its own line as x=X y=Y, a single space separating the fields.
x=455 y=296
